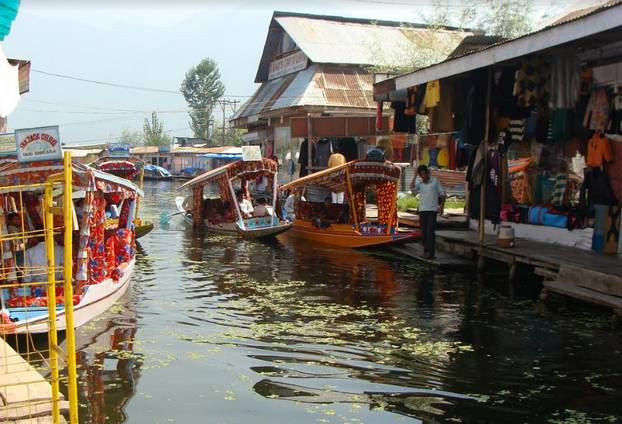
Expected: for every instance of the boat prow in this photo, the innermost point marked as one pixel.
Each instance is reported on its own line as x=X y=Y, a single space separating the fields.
x=143 y=229
x=263 y=231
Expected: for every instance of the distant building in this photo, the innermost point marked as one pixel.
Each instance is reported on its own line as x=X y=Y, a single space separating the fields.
x=316 y=80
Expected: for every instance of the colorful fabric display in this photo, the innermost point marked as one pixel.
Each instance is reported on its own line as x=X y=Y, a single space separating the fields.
x=432 y=94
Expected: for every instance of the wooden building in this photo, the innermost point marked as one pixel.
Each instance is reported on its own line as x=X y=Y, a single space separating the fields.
x=316 y=78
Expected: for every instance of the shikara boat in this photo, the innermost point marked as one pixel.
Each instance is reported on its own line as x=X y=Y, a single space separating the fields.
x=220 y=212
x=132 y=169
x=104 y=256
x=346 y=224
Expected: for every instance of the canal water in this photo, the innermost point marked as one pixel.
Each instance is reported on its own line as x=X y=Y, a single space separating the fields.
x=220 y=330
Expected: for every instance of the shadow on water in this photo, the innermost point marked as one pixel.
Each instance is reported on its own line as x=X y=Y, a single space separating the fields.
x=217 y=329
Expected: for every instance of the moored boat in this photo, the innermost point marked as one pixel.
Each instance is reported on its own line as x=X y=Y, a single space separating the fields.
x=30 y=212
x=221 y=211
x=132 y=169
x=156 y=173
x=329 y=206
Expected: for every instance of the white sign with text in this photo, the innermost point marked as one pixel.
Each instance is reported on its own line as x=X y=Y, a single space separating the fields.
x=42 y=143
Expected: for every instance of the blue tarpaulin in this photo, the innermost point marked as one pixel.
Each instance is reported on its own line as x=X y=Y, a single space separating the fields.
x=226 y=156
x=154 y=168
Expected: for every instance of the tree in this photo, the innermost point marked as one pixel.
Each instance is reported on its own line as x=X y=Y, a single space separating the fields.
x=233 y=136
x=202 y=88
x=132 y=138
x=153 y=130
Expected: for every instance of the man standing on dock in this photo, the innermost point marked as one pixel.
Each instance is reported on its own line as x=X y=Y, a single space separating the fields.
x=431 y=202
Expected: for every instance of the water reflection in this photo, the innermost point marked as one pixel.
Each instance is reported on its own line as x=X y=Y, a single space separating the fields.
x=216 y=329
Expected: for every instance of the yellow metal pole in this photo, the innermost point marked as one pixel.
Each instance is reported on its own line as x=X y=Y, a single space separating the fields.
x=68 y=277
x=51 y=294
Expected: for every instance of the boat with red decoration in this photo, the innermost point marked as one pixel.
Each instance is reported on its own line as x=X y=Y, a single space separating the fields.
x=33 y=221
x=330 y=205
x=132 y=169
x=221 y=200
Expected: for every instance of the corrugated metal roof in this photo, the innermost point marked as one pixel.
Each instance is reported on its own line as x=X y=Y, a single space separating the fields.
x=318 y=85
x=340 y=40
x=517 y=47
x=325 y=41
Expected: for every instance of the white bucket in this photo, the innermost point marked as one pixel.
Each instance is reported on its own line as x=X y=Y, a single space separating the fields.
x=506 y=236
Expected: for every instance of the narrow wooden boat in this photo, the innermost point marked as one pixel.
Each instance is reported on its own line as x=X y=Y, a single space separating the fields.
x=135 y=170
x=345 y=223
x=104 y=258
x=221 y=212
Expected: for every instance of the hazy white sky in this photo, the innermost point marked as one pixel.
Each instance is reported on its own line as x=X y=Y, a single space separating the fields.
x=152 y=44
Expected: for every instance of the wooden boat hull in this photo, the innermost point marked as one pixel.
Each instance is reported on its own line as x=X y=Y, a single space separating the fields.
x=97 y=300
x=143 y=229
x=264 y=232
x=345 y=235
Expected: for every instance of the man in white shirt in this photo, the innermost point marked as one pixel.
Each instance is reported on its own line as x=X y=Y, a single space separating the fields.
x=36 y=262
x=246 y=207
x=431 y=202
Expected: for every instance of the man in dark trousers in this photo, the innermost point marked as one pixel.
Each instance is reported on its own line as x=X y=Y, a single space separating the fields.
x=431 y=202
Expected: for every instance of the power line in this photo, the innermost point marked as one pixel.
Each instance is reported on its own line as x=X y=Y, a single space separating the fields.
x=111 y=84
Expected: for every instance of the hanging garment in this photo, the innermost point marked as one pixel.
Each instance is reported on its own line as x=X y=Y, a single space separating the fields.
x=597 y=113
x=432 y=94
x=615 y=126
x=443 y=157
x=565 y=80
x=517 y=129
x=531 y=81
x=595 y=190
x=614 y=169
x=559 y=189
x=560 y=125
x=401 y=121
x=411 y=101
x=303 y=157
x=598 y=151
x=441 y=116
x=531 y=124
x=347 y=147
x=433 y=157
x=473 y=125
x=323 y=149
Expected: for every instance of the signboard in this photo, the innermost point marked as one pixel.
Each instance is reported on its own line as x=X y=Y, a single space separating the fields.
x=251 y=153
x=164 y=148
x=7 y=144
x=287 y=65
x=119 y=150
x=41 y=143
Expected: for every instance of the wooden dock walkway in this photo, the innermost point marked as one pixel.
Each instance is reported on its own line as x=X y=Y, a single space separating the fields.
x=441 y=259
x=25 y=396
x=585 y=275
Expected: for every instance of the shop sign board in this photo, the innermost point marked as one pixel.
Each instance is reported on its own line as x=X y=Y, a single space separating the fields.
x=119 y=150
x=287 y=65
x=7 y=143
x=41 y=143
x=251 y=153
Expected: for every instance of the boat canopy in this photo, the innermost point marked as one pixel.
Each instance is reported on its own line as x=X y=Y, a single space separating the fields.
x=85 y=177
x=240 y=169
x=155 y=168
x=359 y=172
x=224 y=156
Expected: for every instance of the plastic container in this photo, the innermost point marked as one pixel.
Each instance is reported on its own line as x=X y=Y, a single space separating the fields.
x=506 y=236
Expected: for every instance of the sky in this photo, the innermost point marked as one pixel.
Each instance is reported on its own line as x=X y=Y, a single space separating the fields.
x=152 y=44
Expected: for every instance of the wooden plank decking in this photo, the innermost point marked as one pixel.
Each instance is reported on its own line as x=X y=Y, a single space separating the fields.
x=25 y=396
x=585 y=275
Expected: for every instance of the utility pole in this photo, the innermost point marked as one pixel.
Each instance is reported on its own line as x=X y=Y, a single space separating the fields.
x=223 y=104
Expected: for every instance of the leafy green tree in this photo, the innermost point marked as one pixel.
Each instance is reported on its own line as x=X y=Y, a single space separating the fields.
x=233 y=136
x=132 y=138
x=153 y=130
x=202 y=88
